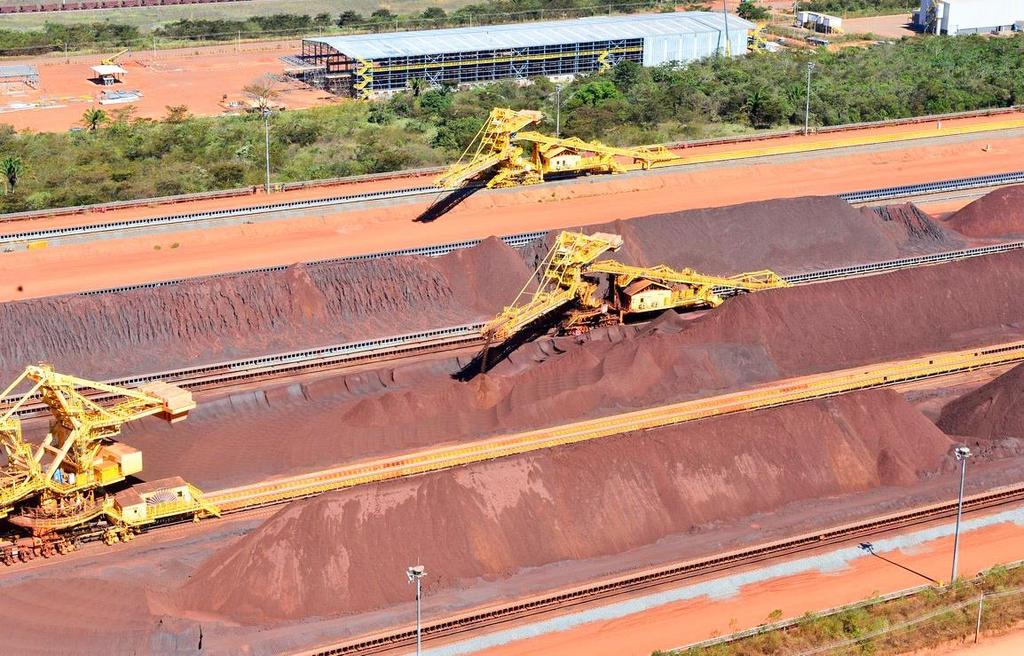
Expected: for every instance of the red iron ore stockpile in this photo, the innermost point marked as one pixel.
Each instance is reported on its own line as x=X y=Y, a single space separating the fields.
x=209 y=320
x=999 y=213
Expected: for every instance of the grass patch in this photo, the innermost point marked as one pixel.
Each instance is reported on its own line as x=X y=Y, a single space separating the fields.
x=932 y=617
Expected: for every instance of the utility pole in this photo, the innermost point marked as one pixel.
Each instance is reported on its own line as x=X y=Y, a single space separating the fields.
x=962 y=453
x=266 y=128
x=807 y=106
x=415 y=573
x=725 y=19
x=558 y=110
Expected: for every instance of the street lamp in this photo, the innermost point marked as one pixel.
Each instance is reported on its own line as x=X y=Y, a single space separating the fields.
x=962 y=453
x=558 y=110
x=807 y=106
x=415 y=573
x=266 y=128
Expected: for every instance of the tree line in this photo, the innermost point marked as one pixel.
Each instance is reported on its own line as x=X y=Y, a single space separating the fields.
x=119 y=156
x=78 y=36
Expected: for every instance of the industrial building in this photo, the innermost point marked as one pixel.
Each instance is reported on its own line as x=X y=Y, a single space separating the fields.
x=970 y=16
x=368 y=64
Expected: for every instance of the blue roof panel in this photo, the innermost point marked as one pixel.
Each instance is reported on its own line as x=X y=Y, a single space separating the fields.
x=524 y=35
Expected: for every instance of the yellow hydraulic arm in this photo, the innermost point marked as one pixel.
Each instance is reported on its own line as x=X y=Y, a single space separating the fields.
x=500 y=145
x=80 y=427
x=493 y=145
x=111 y=60
x=561 y=281
x=704 y=288
x=573 y=258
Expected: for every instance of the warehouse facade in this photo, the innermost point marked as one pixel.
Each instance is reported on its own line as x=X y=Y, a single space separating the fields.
x=969 y=16
x=369 y=64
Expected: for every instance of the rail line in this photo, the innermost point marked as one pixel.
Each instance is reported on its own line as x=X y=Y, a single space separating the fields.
x=20 y=238
x=776 y=394
x=639 y=581
x=447 y=338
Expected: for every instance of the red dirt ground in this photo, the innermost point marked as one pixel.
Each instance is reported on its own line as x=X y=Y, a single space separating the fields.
x=694 y=151
x=682 y=623
x=997 y=214
x=108 y=263
x=197 y=77
x=491 y=520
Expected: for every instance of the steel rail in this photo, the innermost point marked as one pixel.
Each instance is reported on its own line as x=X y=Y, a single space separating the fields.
x=956 y=184
x=240 y=370
x=193 y=217
x=639 y=581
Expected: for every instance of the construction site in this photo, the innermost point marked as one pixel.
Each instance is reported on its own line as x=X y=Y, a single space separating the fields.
x=554 y=397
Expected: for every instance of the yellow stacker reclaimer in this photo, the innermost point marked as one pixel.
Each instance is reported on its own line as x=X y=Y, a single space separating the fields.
x=72 y=485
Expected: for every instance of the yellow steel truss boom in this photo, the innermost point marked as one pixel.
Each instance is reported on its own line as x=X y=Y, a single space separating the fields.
x=564 y=274
x=521 y=158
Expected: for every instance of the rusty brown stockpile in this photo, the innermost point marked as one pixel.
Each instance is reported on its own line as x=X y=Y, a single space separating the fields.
x=997 y=214
x=491 y=520
x=750 y=339
x=244 y=315
x=994 y=411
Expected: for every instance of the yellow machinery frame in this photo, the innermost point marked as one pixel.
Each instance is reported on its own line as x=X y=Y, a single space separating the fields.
x=81 y=426
x=573 y=257
x=502 y=146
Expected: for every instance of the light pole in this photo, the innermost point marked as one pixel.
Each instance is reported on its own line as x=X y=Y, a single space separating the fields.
x=807 y=106
x=266 y=129
x=558 y=110
x=962 y=453
x=415 y=573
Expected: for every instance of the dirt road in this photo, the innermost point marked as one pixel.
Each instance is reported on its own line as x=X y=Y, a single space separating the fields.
x=108 y=263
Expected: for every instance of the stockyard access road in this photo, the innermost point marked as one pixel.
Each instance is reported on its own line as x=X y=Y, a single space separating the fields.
x=323 y=234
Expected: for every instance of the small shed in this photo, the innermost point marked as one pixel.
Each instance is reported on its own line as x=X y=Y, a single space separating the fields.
x=165 y=490
x=131 y=505
x=25 y=73
x=647 y=295
x=108 y=74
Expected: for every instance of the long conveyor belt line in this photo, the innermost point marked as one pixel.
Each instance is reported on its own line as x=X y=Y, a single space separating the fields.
x=781 y=393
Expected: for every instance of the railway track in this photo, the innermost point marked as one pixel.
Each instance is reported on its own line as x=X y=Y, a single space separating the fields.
x=22 y=239
x=439 y=340
x=603 y=590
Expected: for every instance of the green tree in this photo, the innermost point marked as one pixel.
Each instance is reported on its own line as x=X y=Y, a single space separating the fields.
x=434 y=14
x=627 y=74
x=11 y=167
x=383 y=15
x=94 y=118
x=764 y=108
x=348 y=18
x=750 y=10
x=322 y=19
x=417 y=85
x=593 y=93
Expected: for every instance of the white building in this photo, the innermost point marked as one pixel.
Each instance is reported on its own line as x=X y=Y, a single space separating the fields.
x=969 y=16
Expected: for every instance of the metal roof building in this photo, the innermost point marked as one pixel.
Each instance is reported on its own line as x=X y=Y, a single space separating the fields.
x=366 y=63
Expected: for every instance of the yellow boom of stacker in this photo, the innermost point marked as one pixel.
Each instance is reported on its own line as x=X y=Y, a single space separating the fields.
x=506 y=156
x=569 y=277
x=52 y=487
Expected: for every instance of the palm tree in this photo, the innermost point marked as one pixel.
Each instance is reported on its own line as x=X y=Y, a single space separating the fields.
x=94 y=118
x=11 y=167
x=417 y=85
